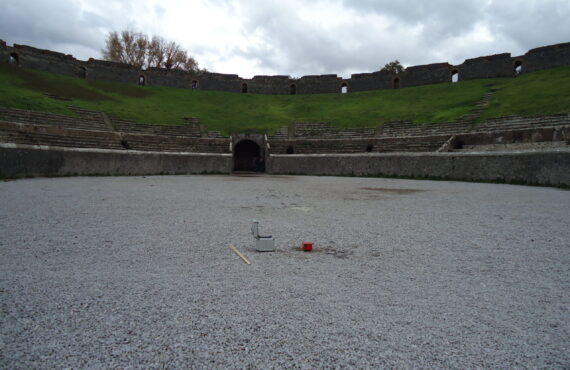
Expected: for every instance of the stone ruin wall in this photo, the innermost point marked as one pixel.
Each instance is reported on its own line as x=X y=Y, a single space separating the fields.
x=499 y=65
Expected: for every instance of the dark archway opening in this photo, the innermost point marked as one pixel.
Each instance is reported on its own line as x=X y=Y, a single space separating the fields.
x=396 y=83
x=455 y=76
x=344 y=88
x=518 y=68
x=142 y=80
x=369 y=148
x=14 y=59
x=125 y=144
x=290 y=150
x=293 y=89
x=244 y=88
x=82 y=72
x=248 y=157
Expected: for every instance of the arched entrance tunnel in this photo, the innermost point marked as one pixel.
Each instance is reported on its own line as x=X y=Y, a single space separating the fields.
x=248 y=156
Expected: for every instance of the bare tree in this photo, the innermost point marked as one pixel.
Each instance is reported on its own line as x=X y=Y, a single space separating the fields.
x=393 y=67
x=136 y=49
x=174 y=56
x=127 y=47
x=156 y=52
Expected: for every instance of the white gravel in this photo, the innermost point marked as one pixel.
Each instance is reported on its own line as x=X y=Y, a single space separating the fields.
x=136 y=272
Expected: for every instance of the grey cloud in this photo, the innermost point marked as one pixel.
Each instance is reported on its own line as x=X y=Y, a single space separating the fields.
x=300 y=47
x=418 y=32
x=520 y=23
x=531 y=23
x=61 y=25
x=439 y=18
x=46 y=24
x=297 y=47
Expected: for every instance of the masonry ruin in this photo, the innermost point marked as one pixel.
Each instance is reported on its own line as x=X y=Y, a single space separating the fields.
x=531 y=150
x=499 y=65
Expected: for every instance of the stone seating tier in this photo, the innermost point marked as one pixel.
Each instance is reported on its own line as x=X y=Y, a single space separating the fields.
x=19 y=133
x=93 y=120
x=326 y=130
x=404 y=128
x=174 y=144
x=41 y=135
x=374 y=145
x=32 y=117
x=514 y=146
x=520 y=123
x=191 y=128
x=132 y=127
x=94 y=130
x=520 y=139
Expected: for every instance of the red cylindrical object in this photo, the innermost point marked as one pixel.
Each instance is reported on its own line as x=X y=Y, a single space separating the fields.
x=307 y=246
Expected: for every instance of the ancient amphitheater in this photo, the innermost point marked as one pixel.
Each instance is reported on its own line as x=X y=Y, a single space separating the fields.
x=136 y=272
x=508 y=149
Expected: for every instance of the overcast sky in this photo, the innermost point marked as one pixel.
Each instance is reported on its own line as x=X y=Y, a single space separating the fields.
x=295 y=37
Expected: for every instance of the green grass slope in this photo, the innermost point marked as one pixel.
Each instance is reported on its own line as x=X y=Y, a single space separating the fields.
x=540 y=93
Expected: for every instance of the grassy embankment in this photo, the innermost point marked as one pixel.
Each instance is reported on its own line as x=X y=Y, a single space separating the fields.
x=546 y=92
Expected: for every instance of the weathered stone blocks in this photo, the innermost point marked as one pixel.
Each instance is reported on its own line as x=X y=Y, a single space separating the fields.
x=499 y=65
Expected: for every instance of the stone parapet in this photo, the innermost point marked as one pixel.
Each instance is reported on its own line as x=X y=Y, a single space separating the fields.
x=499 y=65
x=549 y=167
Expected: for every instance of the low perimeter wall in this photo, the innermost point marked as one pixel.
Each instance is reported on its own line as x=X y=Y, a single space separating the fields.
x=544 y=167
x=32 y=161
x=547 y=167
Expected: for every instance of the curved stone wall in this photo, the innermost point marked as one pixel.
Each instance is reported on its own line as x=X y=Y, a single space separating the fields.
x=548 y=167
x=18 y=161
x=533 y=168
x=499 y=65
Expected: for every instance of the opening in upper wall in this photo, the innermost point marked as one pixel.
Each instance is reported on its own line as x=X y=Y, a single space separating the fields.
x=396 y=83
x=14 y=59
x=518 y=68
x=455 y=76
x=244 y=88
x=194 y=85
x=344 y=88
x=82 y=72
x=142 y=80
x=293 y=89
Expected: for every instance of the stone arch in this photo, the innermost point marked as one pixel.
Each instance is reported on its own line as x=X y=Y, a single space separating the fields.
x=142 y=80
x=344 y=88
x=396 y=83
x=518 y=68
x=14 y=59
x=195 y=84
x=293 y=89
x=455 y=76
x=248 y=156
x=244 y=88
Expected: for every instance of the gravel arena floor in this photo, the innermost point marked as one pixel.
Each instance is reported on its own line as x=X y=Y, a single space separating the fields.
x=130 y=272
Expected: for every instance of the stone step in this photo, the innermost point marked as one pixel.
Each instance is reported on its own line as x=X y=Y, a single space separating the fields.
x=195 y=146
x=49 y=140
x=52 y=120
x=186 y=130
x=427 y=145
x=514 y=146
